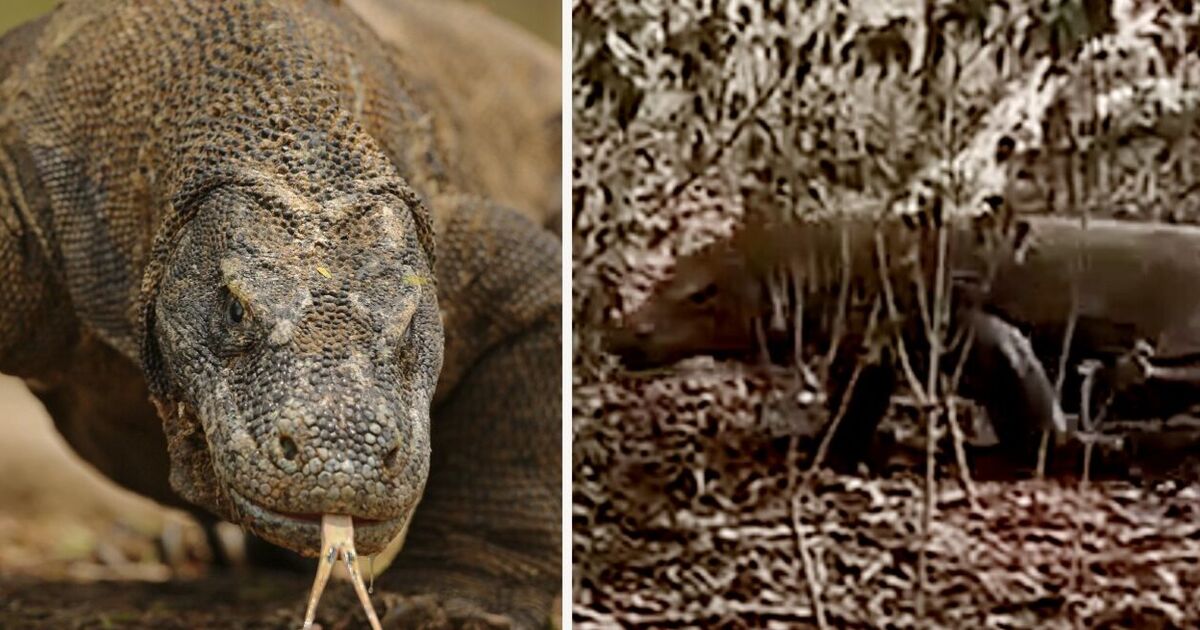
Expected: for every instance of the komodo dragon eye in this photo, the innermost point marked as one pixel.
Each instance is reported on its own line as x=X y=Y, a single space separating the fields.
x=703 y=295
x=236 y=310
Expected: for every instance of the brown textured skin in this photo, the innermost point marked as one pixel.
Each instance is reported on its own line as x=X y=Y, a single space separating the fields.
x=1133 y=281
x=115 y=121
x=498 y=97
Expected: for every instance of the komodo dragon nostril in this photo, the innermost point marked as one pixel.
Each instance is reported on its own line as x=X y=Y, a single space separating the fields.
x=392 y=457
x=288 y=447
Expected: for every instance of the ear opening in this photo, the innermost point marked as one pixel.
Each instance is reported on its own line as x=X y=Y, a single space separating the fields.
x=152 y=361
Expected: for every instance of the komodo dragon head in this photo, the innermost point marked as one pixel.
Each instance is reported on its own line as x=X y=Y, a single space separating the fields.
x=287 y=320
x=719 y=299
x=708 y=306
x=294 y=347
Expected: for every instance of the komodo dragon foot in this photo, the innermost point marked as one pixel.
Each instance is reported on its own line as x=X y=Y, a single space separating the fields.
x=1141 y=383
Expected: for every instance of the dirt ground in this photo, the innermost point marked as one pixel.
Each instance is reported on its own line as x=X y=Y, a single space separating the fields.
x=216 y=601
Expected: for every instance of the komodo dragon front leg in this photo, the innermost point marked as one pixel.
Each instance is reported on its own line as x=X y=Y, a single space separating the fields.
x=96 y=397
x=36 y=322
x=487 y=534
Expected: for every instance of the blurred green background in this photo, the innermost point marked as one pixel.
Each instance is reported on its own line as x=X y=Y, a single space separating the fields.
x=542 y=17
x=13 y=12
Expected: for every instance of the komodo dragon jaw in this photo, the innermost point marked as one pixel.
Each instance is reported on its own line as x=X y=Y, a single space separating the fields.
x=300 y=373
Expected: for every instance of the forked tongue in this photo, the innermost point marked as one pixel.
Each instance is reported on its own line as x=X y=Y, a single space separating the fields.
x=337 y=540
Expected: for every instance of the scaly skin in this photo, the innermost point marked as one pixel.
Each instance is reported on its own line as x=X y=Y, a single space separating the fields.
x=816 y=283
x=229 y=208
x=1131 y=281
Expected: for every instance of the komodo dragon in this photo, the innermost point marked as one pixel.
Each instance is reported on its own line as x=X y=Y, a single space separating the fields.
x=252 y=214
x=1124 y=282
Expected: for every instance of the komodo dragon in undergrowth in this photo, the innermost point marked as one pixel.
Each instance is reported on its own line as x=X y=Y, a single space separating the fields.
x=1124 y=283
x=254 y=263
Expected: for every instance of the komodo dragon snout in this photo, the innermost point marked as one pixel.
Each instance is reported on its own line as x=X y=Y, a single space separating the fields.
x=707 y=307
x=300 y=371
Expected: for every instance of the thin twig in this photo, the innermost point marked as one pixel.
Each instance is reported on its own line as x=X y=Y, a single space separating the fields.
x=797 y=316
x=960 y=454
x=931 y=416
x=810 y=574
x=839 y=321
x=939 y=311
x=928 y=320
x=932 y=411
x=894 y=315
x=844 y=403
x=1089 y=369
x=1072 y=317
x=1066 y=345
x=797 y=490
x=1043 y=449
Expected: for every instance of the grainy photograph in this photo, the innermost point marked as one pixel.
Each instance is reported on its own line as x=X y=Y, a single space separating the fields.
x=886 y=314
x=280 y=314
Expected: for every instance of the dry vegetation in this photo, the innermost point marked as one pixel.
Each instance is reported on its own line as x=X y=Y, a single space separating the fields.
x=691 y=505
